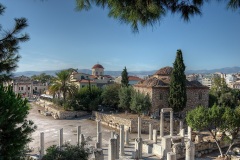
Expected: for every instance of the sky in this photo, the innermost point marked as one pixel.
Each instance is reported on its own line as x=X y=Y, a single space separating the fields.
x=62 y=37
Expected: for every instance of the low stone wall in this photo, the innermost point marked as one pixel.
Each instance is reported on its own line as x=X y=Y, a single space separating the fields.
x=113 y=120
x=60 y=113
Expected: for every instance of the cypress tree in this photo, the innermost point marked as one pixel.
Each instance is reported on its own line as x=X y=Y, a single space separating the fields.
x=177 y=94
x=124 y=81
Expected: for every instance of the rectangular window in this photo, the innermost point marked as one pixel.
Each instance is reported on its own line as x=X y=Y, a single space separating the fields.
x=19 y=88
x=28 y=88
x=35 y=88
x=161 y=96
x=22 y=88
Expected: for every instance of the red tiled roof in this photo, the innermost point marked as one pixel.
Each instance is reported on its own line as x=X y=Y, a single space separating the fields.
x=86 y=81
x=164 y=82
x=93 y=77
x=108 y=76
x=134 y=78
x=97 y=66
x=165 y=71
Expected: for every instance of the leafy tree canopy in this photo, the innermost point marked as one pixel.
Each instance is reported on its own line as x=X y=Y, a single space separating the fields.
x=15 y=129
x=149 y=12
x=69 y=152
x=88 y=98
x=43 y=78
x=216 y=119
x=125 y=97
x=9 y=46
x=110 y=95
x=140 y=103
x=222 y=95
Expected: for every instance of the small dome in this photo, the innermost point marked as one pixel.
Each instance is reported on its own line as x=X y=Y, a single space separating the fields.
x=97 y=66
x=165 y=71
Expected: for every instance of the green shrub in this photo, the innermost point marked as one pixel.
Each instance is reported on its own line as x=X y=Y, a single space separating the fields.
x=68 y=152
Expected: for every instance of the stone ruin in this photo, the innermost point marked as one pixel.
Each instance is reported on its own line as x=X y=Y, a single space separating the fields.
x=166 y=147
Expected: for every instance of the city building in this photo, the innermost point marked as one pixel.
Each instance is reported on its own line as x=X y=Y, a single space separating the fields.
x=131 y=80
x=96 y=79
x=26 y=87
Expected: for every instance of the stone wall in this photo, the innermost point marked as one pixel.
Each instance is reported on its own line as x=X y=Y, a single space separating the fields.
x=159 y=97
x=193 y=97
x=59 y=113
x=113 y=121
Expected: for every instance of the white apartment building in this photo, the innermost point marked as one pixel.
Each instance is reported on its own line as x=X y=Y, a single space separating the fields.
x=230 y=78
x=26 y=87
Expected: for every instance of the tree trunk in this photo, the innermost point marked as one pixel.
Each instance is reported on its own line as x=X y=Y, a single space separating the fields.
x=218 y=145
x=231 y=144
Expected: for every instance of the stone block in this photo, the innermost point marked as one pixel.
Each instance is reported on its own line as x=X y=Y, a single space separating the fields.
x=147 y=148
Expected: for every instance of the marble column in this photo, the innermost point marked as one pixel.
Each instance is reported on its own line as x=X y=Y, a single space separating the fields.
x=150 y=131
x=61 y=137
x=126 y=137
x=41 y=154
x=171 y=156
x=78 y=134
x=182 y=132
x=112 y=149
x=99 y=139
x=112 y=134
x=139 y=127
x=98 y=126
x=162 y=125
x=116 y=136
x=138 y=148
x=180 y=125
x=171 y=123
x=82 y=140
x=121 y=140
x=155 y=136
x=190 y=133
x=190 y=150
x=97 y=145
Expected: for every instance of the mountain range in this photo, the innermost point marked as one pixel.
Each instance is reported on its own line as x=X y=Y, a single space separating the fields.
x=226 y=70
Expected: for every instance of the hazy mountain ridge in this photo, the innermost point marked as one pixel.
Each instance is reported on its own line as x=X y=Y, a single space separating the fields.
x=225 y=70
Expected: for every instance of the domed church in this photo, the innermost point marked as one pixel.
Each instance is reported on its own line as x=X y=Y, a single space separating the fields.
x=97 y=70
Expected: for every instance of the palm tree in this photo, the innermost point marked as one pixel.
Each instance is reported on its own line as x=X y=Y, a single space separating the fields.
x=62 y=85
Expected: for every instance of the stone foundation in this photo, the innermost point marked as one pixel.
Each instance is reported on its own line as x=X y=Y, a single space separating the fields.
x=114 y=120
x=60 y=113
